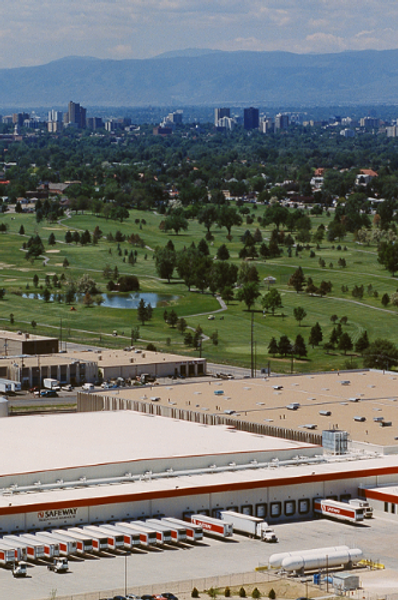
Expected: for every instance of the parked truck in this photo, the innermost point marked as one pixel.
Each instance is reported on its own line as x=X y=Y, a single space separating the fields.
x=8 y=556
x=212 y=526
x=253 y=526
x=59 y=565
x=341 y=511
x=51 y=384
x=19 y=569
x=367 y=509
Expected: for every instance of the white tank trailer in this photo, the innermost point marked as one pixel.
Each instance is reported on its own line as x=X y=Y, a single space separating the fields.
x=318 y=558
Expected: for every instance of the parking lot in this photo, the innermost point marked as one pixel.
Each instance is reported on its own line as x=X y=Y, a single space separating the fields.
x=152 y=571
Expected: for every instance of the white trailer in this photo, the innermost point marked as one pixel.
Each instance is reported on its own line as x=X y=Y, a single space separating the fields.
x=51 y=384
x=131 y=538
x=342 y=511
x=84 y=543
x=159 y=534
x=178 y=530
x=212 y=526
x=367 y=509
x=147 y=537
x=99 y=542
x=107 y=540
x=5 y=386
x=34 y=548
x=8 y=555
x=17 y=545
x=51 y=546
x=120 y=541
x=253 y=526
x=66 y=545
x=15 y=385
x=157 y=525
x=193 y=532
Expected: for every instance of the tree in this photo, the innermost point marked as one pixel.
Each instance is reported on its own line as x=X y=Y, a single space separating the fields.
x=299 y=314
x=297 y=280
x=35 y=280
x=362 y=343
x=316 y=335
x=88 y=300
x=345 y=342
x=51 y=239
x=203 y=248
x=227 y=217
x=128 y=283
x=284 y=345
x=172 y=318
x=387 y=255
x=223 y=252
x=181 y=325
x=207 y=216
x=68 y=237
x=385 y=300
x=65 y=263
x=381 y=354
x=299 y=346
x=272 y=300
x=248 y=294
x=334 y=318
x=46 y=295
x=144 y=311
x=165 y=262
x=22 y=230
x=273 y=346
x=227 y=294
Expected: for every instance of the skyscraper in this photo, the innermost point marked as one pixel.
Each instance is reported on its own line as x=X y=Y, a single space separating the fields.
x=220 y=113
x=76 y=115
x=251 y=118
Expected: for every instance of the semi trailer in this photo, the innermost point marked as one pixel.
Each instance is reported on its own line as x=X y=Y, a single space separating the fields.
x=341 y=511
x=253 y=526
x=213 y=526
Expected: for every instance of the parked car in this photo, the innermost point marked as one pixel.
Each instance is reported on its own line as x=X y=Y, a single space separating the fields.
x=48 y=394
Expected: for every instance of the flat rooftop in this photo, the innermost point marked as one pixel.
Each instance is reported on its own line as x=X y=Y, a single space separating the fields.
x=22 y=337
x=55 y=442
x=371 y=396
x=109 y=358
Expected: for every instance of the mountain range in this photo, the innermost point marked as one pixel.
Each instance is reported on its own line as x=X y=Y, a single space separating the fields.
x=200 y=77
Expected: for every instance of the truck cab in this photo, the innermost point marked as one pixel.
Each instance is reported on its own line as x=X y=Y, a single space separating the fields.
x=59 y=565
x=19 y=569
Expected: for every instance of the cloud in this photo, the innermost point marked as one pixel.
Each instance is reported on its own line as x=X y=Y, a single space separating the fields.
x=33 y=32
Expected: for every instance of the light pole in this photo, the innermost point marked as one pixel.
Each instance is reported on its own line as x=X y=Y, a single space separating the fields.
x=125 y=573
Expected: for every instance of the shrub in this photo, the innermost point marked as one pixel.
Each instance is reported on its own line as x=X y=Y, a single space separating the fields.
x=194 y=593
x=272 y=594
x=242 y=592
x=256 y=593
x=151 y=347
x=212 y=593
x=227 y=592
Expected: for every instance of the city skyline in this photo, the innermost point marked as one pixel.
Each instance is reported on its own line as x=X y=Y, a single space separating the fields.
x=33 y=33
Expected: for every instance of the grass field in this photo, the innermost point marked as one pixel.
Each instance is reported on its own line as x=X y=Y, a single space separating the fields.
x=95 y=325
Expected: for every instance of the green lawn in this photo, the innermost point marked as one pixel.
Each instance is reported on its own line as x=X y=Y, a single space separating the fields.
x=95 y=325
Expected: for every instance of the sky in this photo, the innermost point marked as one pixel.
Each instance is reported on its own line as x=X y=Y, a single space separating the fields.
x=34 y=32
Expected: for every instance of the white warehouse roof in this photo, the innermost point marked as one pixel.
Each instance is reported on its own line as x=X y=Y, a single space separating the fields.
x=39 y=444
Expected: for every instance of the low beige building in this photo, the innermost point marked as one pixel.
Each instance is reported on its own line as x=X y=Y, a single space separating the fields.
x=12 y=344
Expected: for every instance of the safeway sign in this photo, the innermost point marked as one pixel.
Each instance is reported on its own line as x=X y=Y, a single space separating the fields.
x=57 y=514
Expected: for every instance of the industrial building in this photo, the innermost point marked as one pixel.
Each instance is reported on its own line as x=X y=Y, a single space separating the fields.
x=89 y=366
x=106 y=466
x=12 y=344
x=299 y=407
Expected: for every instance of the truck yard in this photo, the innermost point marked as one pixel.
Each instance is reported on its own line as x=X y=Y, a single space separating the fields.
x=205 y=562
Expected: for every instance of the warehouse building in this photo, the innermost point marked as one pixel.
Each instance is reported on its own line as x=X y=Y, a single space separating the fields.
x=104 y=466
x=13 y=344
x=89 y=366
x=298 y=407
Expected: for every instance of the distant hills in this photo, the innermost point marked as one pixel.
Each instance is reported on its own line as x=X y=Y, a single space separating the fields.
x=200 y=77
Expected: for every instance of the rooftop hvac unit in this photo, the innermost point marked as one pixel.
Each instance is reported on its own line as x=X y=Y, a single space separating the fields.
x=335 y=441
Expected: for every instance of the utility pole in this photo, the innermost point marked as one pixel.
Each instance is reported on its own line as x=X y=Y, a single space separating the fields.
x=252 y=345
